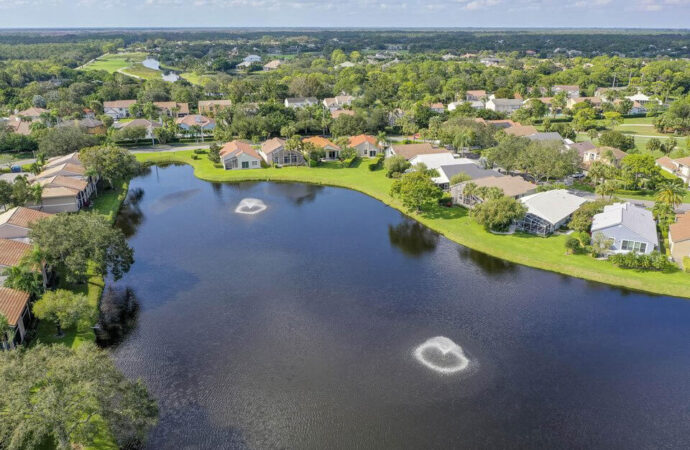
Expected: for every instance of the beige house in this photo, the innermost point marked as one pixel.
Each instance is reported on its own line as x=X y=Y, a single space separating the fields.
x=239 y=155
x=608 y=155
x=679 y=167
x=14 y=305
x=409 y=151
x=15 y=222
x=332 y=150
x=679 y=238
x=213 y=106
x=515 y=187
x=366 y=145
x=273 y=151
x=64 y=194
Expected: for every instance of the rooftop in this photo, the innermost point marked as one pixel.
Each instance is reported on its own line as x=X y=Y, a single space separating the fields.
x=552 y=206
x=638 y=220
x=12 y=304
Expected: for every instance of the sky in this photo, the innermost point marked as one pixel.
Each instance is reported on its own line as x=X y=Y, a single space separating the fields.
x=345 y=13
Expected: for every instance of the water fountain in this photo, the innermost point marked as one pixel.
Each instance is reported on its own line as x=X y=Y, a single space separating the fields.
x=250 y=206
x=442 y=355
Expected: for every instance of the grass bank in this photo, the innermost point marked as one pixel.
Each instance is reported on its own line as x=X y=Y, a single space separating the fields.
x=453 y=223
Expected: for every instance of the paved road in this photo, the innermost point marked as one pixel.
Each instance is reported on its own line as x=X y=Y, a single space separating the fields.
x=684 y=207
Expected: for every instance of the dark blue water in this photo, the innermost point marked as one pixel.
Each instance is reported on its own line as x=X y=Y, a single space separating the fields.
x=295 y=328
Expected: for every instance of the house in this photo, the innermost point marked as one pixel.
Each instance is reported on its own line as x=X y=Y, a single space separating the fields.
x=572 y=91
x=581 y=147
x=548 y=211
x=475 y=95
x=90 y=126
x=640 y=98
x=472 y=170
x=437 y=108
x=679 y=167
x=337 y=102
x=332 y=150
x=272 y=65
x=15 y=222
x=14 y=305
x=63 y=194
x=11 y=254
x=504 y=105
x=146 y=124
x=630 y=227
x=117 y=109
x=596 y=102
x=549 y=136
x=511 y=186
x=409 y=151
x=273 y=151
x=474 y=104
x=213 y=106
x=187 y=123
x=239 y=155
x=32 y=113
x=521 y=130
x=638 y=109
x=300 y=102
x=173 y=109
x=341 y=112
x=17 y=125
x=679 y=238
x=435 y=160
x=366 y=146
x=608 y=155
x=252 y=59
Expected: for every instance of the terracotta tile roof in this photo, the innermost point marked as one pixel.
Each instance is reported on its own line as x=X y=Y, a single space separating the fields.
x=320 y=142
x=361 y=139
x=22 y=217
x=617 y=153
x=32 y=112
x=62 y=181
x=19 y=126
x=11 y=252
x=272 y=145
x=211 y=104
x=511 y=186
x=59 y=191
x=55 y=170
x=236 y=148
x=667 y=163
x=342 y=112
x=521 y=130
x=273 y=64
x=12 y=304
x=683 y=161
x=119 y=104
x=409 y=151
x=195 y=119
x=476 y=93
x=680 y=230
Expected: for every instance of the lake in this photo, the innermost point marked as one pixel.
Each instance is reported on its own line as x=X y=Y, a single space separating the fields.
x=298 y=326
x=154 y=64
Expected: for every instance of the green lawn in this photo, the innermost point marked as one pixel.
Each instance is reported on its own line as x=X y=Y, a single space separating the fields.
x=114 y=62
x=454 y=223
x=138 y=70
x=194 y=78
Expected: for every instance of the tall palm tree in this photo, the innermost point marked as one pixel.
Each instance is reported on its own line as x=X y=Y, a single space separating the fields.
x=671 y=193
x=469 y=191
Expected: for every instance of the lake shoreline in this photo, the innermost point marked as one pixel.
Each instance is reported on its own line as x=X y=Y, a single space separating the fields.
x=452 y=223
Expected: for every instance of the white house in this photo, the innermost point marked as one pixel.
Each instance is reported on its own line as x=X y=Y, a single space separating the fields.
x=366 y=146
x=572 y=91
x=337 y=102
x=239 y=155
x=273 y=151
x=205 y=124
x=252 y=59
x=679 y=167
x=504 y=105
x=300 y=102
x=332 y=151
x=630 y=228
x=548 y=211
x=118 y=109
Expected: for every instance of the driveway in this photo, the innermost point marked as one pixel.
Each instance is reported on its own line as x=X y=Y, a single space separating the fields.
x=683 y=207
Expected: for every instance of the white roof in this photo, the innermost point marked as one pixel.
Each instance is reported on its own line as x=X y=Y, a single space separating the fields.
x=639 y=97
x=436 y=160
x=638 y=220
x=552 y=206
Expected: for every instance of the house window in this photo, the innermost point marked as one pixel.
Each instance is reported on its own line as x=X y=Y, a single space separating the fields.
x=639 y=247
x=255 y=163
x=372 y=153
x=245 y=164
x=286 y=159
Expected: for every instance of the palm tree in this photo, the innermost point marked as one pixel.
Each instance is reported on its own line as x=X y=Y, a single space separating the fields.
x=468 y=191
x=671 y=193
x=462 y=140
x=4 y=329
x=607 y=189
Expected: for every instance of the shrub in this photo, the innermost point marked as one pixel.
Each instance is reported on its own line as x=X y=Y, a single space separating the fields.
x=654 y=261
x=396 y=164
x=199 y=151
x=686 y=264
x=572 y=245
x=377 y=164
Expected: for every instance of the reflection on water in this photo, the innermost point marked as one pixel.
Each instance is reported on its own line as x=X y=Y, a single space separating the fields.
x=413 y=238
x=119 y=309
x=298 y=329
x=488 y=264
x=131 y=216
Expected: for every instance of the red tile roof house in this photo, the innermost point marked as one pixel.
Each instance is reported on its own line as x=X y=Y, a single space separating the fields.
x=11 y=254
x=237 y=155
x=186 y=123
x=173 y=109
x=274 y=152
x=409 y=151
x=366 y=146
x=14 y=305
x=15 y=222
x=332 y=150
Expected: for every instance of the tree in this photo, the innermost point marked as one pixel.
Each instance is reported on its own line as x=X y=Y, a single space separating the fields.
x=616 y=139
x=55 y=397
x=65 y=309
x=600 y=244
x=654 y=145
x=613 y=118
x=5 y=193
x=677 y=118
x=4 y=330
x=396 y=164
x=23 y=192
x=624 y=106
x=497 y=214
x=214 y=153
x=75 y=243
x=639 y=170
x=64 y=140
x=607 y=189
x=671 y=193
x=582 y=218
x=110 y=163
x=416 y=190
x=459 y=178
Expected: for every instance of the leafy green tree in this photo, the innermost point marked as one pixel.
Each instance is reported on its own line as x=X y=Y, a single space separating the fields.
x=396 y=164
x=4 y=330
x=65 y=309
x=581 y=220
x=416 y=190
x=616 y=139
x=64 y=140
x=214 y=153
x=639 y=170
x=624 y=106
x=58 y=397
x=613 y=119
x=77 y=243
x=654 y=145
x=459 y=178
x=110 y=163
x=497 y=214
x=5 y=193
x=607 y=189
x=600 y=244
